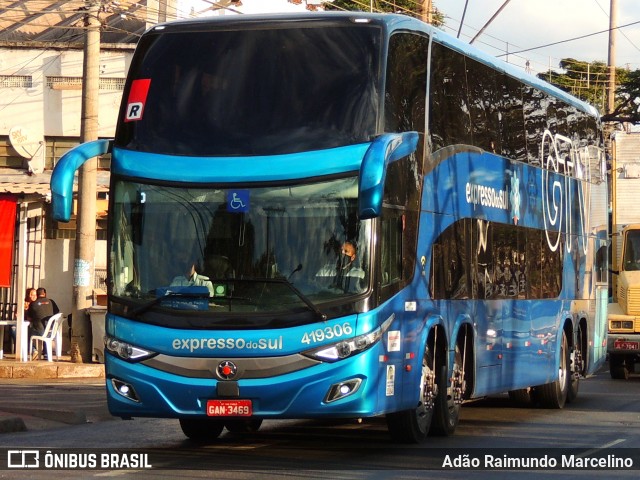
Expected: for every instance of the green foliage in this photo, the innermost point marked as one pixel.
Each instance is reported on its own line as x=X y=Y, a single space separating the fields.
x=627 y=107
x=412 y=8
x=588 y=81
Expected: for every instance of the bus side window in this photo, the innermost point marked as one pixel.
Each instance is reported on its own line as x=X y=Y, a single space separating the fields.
x=482 y=265
x=450 y=267
x=405 y=93
x=391 y=246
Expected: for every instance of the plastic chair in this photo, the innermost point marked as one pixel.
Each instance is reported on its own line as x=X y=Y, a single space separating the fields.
x=49 y=336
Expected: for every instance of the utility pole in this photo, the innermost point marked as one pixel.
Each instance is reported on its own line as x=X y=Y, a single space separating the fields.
x=608 y=128
x=426 y=13
x=83 y=268
x=611 y=81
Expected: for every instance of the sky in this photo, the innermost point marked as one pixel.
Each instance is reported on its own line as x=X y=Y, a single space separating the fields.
x=523 y=25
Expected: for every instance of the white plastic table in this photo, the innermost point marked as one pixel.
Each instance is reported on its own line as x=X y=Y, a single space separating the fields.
x=13 y=323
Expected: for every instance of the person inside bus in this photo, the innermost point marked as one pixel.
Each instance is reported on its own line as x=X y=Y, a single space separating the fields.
x=191 y=277
x=347 y=276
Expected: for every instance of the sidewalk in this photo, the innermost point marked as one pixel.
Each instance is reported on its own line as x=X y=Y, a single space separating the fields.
x=44 y=395
x=41 y=369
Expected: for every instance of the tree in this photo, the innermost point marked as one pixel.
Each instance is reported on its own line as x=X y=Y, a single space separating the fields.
x=412 y=8
x=627 y=106
x=588 y=81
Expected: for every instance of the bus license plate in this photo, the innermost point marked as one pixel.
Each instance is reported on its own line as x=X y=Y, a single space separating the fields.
x=229 y=408
x=623 y=345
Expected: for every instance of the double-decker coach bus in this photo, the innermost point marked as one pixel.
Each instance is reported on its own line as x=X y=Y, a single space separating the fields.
x=344 y=215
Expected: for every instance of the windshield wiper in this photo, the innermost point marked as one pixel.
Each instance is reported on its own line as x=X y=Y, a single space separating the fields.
x=168 y=294
x=321 y=316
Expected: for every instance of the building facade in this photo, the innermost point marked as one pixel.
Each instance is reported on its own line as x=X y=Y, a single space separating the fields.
x=41 y=75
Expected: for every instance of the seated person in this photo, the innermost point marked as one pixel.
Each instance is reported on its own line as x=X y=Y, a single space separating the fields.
x=191 y=277
x=346 y=275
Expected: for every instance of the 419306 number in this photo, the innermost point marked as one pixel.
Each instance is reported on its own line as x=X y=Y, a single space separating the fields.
x=327 y=333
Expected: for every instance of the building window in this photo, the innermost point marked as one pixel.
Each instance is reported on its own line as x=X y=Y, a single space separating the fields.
x=59 y=231
x=16 y=81
x=75 y=83
x=58 y=146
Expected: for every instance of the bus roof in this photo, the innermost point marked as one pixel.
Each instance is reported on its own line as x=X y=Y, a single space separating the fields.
x=390 y=23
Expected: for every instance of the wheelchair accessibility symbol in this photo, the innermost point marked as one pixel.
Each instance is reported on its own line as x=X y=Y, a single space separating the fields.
x=238 y=201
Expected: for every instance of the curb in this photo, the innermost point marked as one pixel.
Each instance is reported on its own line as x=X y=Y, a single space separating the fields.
x=12 y=424
x=47 y=370
x=62 y=416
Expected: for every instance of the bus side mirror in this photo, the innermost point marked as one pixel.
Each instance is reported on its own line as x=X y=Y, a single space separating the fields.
x=385 y=149
x=64 y=173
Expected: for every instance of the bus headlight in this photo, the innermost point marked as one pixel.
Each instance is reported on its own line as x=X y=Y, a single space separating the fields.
x=125 y=389
x=125 y=350
x=621 y=325
x=346 y=348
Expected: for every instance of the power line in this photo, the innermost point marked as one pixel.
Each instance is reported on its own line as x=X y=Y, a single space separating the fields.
x=623 y=34
x=575 y=38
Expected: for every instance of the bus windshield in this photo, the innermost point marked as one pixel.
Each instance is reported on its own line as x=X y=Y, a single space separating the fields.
x=253 y=91
x=256 y=250
x=632 y=251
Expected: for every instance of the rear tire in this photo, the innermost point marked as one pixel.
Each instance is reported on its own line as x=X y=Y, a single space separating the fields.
x=412 y=426
x=574 y=372
x=522 y=397
x=446 y=412
x=201 y=429
x=554 y=395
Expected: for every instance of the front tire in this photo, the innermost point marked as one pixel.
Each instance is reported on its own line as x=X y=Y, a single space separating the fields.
x=412 y=426
x=201 y=429
x=243 y=425
x=554 y=395
x=617 y=368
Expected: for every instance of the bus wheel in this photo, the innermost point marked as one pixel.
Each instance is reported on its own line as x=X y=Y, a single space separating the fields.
x=554 y=395
x=522 y=397
x=243 y=425
x=412 y=426
x=446 y=410
x=576 y=369
x=617 y=367
x=201 y=429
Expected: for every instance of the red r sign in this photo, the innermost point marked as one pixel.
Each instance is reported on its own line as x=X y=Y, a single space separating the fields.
x=137 y=99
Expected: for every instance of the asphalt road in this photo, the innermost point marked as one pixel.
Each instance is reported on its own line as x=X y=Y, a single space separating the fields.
x=604 y=419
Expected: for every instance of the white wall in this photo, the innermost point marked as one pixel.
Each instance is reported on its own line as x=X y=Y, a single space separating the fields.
x=56 y=274
x=43 y=110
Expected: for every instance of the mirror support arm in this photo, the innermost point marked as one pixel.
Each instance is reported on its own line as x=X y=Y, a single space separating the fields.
x=384 y=150
x=64 y=173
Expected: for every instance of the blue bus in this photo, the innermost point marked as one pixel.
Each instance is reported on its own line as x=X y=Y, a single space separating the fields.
x=344 y=215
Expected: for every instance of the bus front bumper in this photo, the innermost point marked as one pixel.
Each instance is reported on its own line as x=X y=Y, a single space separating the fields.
x=138 y=390
x=623 y=343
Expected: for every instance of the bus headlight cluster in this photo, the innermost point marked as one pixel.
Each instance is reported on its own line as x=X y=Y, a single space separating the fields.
x=125 y=350
x=346 y=348
x=621 y=324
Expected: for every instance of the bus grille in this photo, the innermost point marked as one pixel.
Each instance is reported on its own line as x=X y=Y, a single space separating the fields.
x=633 y=300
